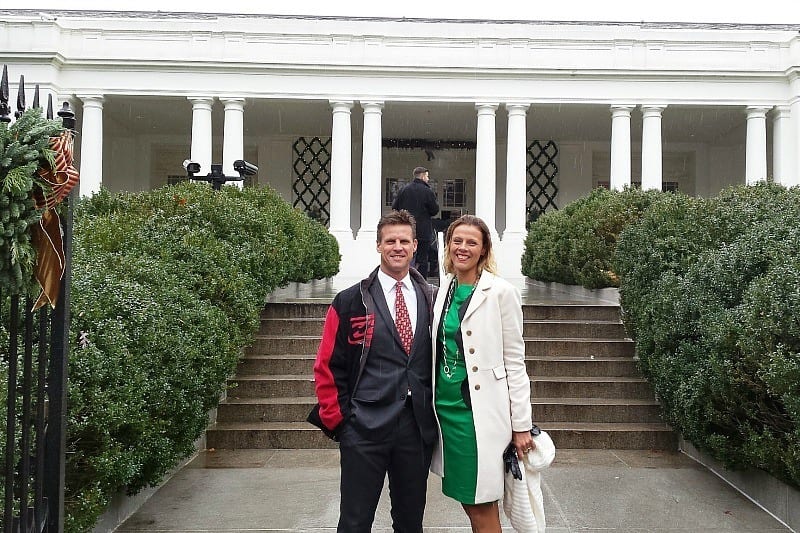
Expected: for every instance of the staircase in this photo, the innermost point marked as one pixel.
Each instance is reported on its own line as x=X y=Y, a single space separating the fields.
x=585 y=388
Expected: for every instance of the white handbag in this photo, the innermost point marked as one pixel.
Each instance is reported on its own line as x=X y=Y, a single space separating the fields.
x=523 y=502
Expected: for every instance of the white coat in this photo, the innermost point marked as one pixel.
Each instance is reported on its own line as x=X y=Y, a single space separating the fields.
x=498 y=380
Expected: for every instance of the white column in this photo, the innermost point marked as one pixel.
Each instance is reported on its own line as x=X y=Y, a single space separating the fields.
x=91 y=163
x=792 y=177
x=486 y=166
x=233 y=135
x=756 y=148
x=340 y=171
x=516 y=173
x=620 y=175
x=513 y=243
x=652 y=175
x=201 y=132
x=782 y=145
x=371 y=171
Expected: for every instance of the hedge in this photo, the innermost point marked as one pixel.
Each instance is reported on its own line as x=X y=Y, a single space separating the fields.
x=167 y=289
x=576 y=245
x=710 y=290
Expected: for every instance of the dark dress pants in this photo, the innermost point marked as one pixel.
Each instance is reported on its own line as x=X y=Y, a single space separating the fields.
x=404 y=456
x=421 y=258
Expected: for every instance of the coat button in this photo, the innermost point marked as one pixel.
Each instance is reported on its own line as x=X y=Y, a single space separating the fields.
x=469 y=332
x=474 y=368
x=472 y=350
x=477 y=387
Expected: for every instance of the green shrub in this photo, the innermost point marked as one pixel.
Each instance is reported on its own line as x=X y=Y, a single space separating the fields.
x=710 y=290
x=576 y=245
x=167 y=289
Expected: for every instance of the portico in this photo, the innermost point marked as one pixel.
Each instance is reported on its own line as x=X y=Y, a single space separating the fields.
x=664 y=106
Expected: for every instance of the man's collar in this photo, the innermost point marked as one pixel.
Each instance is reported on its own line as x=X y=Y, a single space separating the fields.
x=388 y=282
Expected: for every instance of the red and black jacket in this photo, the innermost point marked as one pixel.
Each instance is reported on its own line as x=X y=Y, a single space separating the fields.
x=344 y=350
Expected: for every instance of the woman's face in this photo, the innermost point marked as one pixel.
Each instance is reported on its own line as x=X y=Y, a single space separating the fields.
x=466 y=249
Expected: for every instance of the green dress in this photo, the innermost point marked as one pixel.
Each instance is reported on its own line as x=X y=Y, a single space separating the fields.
x=459 y=443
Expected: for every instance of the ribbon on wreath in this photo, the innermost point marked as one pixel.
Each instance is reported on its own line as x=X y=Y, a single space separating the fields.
x=47 y=234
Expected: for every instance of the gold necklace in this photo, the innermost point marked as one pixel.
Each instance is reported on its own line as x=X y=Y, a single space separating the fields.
x=450 y=370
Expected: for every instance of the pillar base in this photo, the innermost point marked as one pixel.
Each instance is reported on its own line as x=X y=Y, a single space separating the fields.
x=369 y=236
x=359 y=257
x=509 y=254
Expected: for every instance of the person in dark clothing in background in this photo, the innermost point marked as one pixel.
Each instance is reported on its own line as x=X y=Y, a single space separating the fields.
x=418 y=199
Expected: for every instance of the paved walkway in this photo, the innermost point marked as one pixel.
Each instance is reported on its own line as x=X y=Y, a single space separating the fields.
x=533 y=292
x=620 y=491
x=585 y=491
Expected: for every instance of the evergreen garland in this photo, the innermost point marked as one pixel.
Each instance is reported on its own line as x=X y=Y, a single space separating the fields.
x=24 y=148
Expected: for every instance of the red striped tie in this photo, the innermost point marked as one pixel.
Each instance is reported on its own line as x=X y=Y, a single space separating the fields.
x=402 y=321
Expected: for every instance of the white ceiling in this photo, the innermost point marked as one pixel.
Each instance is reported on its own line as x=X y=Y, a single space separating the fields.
x=437 y=121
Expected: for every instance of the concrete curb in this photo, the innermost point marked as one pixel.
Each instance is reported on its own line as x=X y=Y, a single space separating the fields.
x=778 y=499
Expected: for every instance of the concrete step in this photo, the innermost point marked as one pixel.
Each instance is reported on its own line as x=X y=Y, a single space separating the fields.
x=295 y=310
x=613 y=436
x=303 y=364
x=302 y=435
x=571 y=312
x=530 y=312
x=295 y=409
x=582 y=366
x=299 y=364
x=291 y=326
x=534 y=346
x=559 y=329
x=266 y=435
x=590 y=387
x=606 y=410
x=579 y=347
x=270 y=386
x=284 y=344
x=556 y=329
x=283 y=385
x=292 y=409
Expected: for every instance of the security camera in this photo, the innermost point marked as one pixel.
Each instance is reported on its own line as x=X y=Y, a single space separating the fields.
x=191 y=167
x=244 y=168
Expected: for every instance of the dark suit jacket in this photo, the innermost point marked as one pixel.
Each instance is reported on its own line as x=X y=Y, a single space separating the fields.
x=418 y=199
x=388 y=373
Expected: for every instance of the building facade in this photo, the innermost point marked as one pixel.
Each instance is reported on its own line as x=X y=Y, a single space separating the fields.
x=511 y=117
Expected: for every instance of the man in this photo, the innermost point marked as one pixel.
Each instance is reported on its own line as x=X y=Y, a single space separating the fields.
x=373 y=383
x=418 y=199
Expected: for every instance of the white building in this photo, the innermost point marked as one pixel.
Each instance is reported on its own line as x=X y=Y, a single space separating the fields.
x=336 y=111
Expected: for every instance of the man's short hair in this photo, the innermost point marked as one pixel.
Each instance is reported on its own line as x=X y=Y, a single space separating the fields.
x=397 y=218
x=419 y=171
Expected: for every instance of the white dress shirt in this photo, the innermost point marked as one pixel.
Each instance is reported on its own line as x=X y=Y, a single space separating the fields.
x=389 y=284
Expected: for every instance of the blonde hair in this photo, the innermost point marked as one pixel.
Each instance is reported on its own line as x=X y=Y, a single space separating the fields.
x=486 y=262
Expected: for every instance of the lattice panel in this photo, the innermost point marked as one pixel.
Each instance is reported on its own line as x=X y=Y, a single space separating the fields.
x=542 y=177
x=312 y=171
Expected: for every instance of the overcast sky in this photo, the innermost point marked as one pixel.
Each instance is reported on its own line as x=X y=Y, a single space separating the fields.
x=756 y=12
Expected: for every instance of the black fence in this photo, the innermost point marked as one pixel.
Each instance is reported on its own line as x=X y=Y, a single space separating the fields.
x=34 y=353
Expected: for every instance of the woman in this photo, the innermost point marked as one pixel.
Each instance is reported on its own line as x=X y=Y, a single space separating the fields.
x=481 y=395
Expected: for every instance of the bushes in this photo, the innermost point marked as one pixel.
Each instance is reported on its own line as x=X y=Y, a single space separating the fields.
x=167 y=289
x=576 y=245
x=710 y=291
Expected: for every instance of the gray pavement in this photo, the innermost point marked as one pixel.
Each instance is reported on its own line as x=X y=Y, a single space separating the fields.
x=532 y=292
x=621 y=491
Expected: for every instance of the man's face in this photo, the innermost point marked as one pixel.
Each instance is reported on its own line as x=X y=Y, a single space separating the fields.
x=397 y=245
x=424 y=177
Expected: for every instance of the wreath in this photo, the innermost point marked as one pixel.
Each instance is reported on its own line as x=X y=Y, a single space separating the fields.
x=35 y=174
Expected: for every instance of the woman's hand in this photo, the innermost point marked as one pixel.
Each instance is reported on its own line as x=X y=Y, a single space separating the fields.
x=523 y=442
